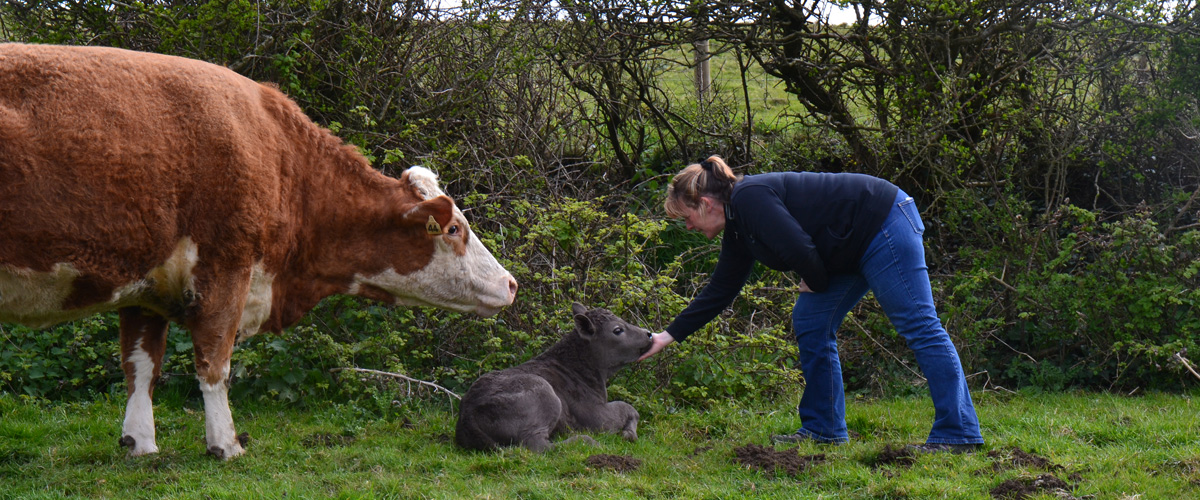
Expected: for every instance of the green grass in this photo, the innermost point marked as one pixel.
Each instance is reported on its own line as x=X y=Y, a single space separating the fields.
x=1106 y=446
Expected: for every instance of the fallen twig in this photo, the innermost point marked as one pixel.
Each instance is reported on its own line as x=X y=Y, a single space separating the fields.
x=988 y=382
x=399 y=376
x=1179 y=357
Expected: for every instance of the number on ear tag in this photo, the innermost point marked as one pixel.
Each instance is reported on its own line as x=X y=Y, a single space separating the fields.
x=432 y=226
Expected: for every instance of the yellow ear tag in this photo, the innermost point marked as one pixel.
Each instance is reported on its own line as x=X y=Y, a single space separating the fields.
x=432 y=226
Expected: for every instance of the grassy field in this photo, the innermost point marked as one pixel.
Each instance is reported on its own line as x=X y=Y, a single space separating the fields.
x=1094 y=445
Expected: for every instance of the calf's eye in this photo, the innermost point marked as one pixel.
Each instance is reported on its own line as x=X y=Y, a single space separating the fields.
x=618 y=330
x=453 y=230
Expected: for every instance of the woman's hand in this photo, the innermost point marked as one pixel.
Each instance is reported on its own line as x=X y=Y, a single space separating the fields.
x=804 y=287
x=657 y=342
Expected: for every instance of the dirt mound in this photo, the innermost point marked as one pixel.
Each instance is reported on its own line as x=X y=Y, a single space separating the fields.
x=619 y=463
x=1189 y=469
x=901 y=456
x=1015 y=457
x=772 y=461
x=1021 y=488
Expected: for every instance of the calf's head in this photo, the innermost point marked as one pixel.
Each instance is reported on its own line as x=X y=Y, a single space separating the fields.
x=448 y=268
x=613 y=342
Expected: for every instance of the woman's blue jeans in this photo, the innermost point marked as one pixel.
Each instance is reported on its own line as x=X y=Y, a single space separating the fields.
x=894 y=268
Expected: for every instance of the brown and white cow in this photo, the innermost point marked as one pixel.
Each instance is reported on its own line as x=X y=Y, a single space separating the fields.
x=171 y=189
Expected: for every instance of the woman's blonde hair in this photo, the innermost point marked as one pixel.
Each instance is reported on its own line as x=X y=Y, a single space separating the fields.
x=711 y=177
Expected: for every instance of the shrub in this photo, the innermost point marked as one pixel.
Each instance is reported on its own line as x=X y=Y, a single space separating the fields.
x=1076 y=302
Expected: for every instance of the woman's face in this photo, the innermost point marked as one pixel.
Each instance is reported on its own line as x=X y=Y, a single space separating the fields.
x=708 y=217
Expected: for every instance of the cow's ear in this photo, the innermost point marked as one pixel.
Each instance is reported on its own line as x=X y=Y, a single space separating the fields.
x=577 y=308
x=583 y=324
x=434 y=214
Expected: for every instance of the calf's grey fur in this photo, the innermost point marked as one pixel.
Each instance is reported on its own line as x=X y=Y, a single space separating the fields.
x=560 y=390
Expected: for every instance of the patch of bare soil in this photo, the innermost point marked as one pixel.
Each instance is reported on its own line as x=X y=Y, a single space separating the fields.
x=1017 y=458
x=619 y=463
x=1022 y=488
x=773 y=461
x=900 y=456
x=1189 y=468
x=326 y=440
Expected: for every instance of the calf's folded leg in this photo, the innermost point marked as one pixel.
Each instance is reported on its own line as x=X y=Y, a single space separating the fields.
x=614 y=416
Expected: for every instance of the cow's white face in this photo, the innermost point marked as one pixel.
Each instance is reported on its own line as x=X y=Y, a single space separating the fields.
x=470 y=281
x=462 y=275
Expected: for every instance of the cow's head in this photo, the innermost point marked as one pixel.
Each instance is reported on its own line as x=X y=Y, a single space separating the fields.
x=447 y=267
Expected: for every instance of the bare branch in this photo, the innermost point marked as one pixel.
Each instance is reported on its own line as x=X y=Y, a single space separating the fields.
x=1179 y=357
x=399 y=376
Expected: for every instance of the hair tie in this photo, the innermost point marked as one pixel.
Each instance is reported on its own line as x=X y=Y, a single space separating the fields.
x=707 y=165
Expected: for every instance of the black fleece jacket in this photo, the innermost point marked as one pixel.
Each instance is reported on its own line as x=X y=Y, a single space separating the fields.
x=815 y=224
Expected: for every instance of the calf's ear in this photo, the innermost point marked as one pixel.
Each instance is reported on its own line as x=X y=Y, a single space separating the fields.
x=434 y=214
x=584 y=326
x=577 y=308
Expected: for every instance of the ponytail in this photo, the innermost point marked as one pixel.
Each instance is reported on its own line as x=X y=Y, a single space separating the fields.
x=712 y=178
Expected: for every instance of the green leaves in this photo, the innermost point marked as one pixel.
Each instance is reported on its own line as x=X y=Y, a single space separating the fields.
x=1082 y=303
x=72 y=360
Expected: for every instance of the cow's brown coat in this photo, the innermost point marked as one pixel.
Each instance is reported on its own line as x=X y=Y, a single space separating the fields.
x=173 y=189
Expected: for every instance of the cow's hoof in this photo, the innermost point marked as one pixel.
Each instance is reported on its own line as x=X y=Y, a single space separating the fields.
x=226 y=453
x=134 y=449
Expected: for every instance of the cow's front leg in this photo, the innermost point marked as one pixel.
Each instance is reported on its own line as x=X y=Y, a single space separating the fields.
x=220 y=434
x=143 y=341
x=214 y=325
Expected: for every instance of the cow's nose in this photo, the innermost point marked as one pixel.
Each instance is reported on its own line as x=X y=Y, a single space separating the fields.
x=512 y=289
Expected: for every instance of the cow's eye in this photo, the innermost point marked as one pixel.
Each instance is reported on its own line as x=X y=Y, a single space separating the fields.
x=618 y=330
x=453 y=230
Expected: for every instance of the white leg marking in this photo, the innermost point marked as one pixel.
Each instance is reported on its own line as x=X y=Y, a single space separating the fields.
x=139 y=410
x=218 y=420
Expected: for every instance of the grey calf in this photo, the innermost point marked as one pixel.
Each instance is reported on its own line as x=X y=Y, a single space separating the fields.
x=562 y=389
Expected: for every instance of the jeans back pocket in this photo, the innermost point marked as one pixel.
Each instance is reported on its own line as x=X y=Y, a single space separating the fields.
x=909 y=208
